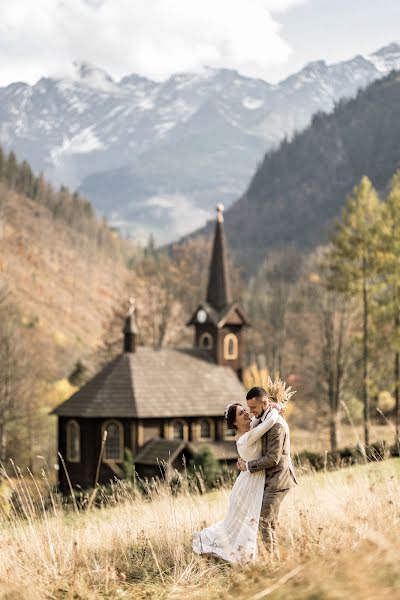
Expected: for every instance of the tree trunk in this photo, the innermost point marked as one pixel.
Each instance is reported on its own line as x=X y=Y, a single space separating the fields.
x=330 y=368
x=365 y=363
x=3 y=443
x=397 y=383
x=334 y=431
x=333 y=423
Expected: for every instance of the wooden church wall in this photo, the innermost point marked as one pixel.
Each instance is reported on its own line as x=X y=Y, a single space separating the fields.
x=83 y=472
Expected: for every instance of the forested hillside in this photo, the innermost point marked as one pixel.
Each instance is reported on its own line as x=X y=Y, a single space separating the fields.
x=63 y=268
x=63 y=274
x=65 y=280
x=298 y=190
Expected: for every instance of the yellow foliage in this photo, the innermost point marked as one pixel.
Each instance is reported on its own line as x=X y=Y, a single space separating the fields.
x=254 y=376
x=289 y=408
x=263 y=377
x=5 y=498
x=386 y=402
x=247 y=379
x=314 y=278
x=59 y=338
x=59 y=391
x=29 y=322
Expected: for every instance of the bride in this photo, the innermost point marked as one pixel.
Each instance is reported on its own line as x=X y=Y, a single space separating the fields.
x=235 y=538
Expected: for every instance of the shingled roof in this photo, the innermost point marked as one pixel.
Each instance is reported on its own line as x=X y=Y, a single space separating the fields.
x=156 y=383
x=158 y=451
x=219 y=291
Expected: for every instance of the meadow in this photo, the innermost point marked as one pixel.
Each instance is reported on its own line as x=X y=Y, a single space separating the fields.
x=338 y=539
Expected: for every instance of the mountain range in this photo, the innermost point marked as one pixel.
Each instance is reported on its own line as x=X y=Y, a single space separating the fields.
x=300 y=188
x=155 y=157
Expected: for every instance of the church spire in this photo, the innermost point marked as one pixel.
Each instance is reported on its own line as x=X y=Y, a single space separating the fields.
x=130 y=330
x=218 y=292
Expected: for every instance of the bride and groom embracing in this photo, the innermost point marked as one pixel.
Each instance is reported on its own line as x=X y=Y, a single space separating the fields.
x=266 y=476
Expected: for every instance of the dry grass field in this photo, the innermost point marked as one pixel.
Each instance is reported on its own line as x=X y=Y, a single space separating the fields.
x=338 y=539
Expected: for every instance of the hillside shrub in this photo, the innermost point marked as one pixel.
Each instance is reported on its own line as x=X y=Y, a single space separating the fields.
x=343 y=457
x=207 y=464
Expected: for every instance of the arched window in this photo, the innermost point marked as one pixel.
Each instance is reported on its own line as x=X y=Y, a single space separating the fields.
x=205 y=429
x=73 y=442
x=177 y=430
x=114 y=449
x=230 y=346
x=206 y=341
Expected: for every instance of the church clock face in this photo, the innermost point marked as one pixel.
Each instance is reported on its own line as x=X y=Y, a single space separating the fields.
x=201 y=316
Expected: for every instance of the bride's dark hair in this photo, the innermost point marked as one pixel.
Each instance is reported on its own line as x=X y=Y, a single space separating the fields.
x=231 y=416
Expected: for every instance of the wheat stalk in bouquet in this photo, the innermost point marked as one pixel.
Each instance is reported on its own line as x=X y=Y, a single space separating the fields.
x=278 y=391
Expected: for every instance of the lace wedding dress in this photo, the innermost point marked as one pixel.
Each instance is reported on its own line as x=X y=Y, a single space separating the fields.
x=235 y=538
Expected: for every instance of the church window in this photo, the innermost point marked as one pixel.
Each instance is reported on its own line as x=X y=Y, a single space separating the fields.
x=205 y=429
x=230 y=346
x=206 y=341
x=114 y=449
x=73 y=442
x=178 y=430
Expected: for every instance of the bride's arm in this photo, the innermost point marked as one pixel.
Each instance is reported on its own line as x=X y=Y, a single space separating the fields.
x=255 y=434
x=273 y=451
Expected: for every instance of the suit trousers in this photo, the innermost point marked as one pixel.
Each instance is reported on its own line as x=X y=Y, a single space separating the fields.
x=269 y=516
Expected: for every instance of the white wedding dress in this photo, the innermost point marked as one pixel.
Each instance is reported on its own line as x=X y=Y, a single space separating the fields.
x=235 y=538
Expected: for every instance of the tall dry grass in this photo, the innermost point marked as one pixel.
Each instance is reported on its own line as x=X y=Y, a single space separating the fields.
x=339 y=538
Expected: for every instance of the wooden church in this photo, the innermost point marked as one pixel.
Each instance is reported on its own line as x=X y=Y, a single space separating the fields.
x=161 y=404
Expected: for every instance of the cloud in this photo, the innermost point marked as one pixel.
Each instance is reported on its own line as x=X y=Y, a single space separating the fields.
x=154 y=38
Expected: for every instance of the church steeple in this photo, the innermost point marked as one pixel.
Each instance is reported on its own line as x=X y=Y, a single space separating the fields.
x=219 y=291
x=130 y=330
x=218 y=321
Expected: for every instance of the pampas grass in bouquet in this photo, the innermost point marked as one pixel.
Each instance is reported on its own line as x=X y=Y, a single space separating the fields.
x=278 y=392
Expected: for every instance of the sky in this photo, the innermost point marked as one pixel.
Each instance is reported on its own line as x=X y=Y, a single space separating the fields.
x=269 y=39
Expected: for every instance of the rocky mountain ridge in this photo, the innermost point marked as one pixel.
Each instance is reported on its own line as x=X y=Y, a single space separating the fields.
x=156 y=156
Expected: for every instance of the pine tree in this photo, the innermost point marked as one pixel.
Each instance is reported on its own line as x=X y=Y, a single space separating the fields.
x=11 y=170
x=2 y=163
x=389 y=254
x=40 y=189
x=352 y=266
x=24 y=183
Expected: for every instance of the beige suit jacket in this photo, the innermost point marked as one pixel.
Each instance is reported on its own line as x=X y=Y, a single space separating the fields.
x=275 y=459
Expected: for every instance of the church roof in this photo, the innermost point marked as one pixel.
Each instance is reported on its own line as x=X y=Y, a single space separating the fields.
x=231 y=314
x=157 y=451
x=156 y=383
x=218 y=291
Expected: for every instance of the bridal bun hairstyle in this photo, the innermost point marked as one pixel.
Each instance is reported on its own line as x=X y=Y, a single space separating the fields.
x=230 y=415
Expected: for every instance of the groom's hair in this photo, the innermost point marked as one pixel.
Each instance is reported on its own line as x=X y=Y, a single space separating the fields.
x=256 y=392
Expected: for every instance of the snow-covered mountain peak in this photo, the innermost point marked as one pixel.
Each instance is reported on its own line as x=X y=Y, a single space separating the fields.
x=196 y=135
x=392 y=48
x=387 y=58
x=133 y=80
x=94 y=77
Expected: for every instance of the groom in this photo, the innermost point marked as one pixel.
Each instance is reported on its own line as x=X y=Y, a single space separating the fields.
x=275 y=460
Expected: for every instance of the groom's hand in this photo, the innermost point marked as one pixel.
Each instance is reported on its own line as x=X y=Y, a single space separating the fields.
x=241 y=464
